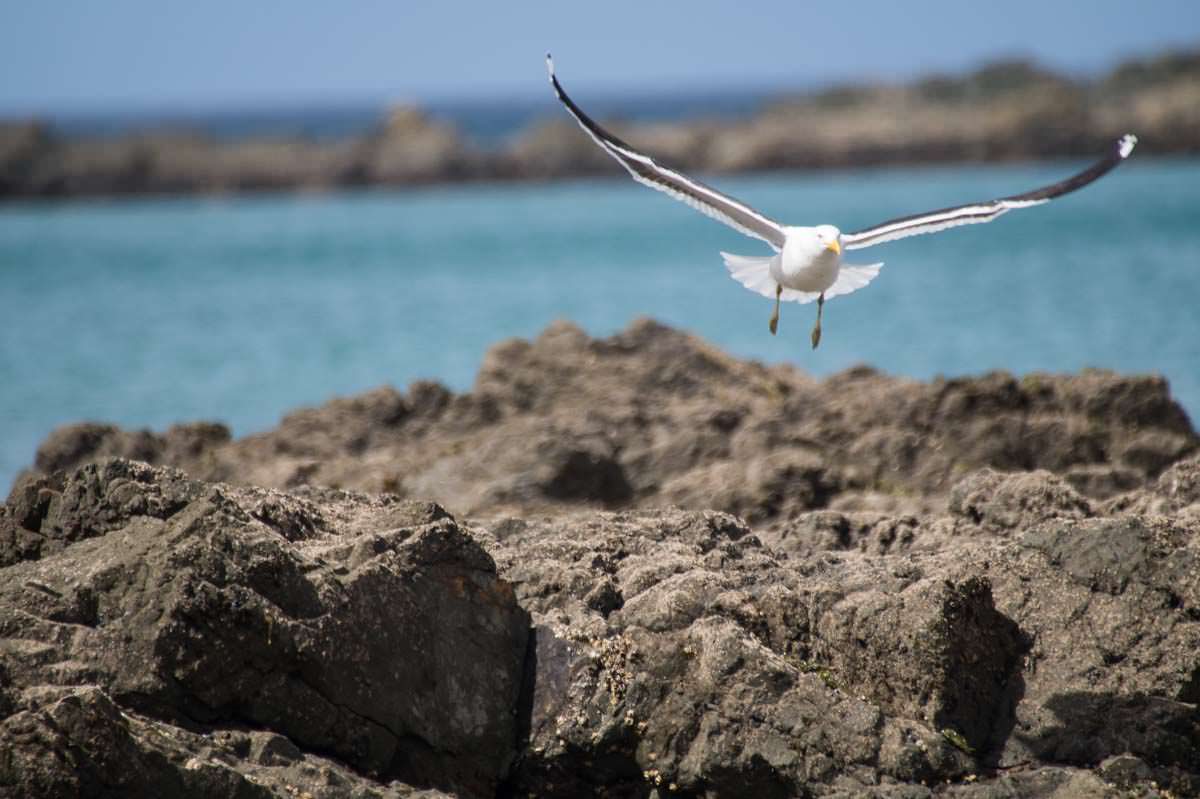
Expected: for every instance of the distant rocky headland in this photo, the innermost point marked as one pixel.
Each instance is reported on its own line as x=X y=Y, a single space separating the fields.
x=1004 y=111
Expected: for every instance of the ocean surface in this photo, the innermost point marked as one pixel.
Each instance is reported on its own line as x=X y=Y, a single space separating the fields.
x=149 y=312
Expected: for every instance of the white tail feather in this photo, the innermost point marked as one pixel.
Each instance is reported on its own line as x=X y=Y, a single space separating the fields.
x=852 y=278
x=754 y=272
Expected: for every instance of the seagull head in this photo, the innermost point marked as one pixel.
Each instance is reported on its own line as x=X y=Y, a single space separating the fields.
x=829 y=237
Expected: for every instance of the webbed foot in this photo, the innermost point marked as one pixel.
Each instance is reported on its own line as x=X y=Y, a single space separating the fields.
x=774 y=323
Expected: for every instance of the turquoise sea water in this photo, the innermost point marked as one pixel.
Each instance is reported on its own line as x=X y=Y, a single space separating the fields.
x=148 y=312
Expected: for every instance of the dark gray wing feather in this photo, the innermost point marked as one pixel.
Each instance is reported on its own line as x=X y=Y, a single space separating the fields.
x=647 y=171
x=975 y=213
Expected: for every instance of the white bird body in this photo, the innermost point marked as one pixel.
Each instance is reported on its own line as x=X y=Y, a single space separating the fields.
x=807 y=264
x=810 y=259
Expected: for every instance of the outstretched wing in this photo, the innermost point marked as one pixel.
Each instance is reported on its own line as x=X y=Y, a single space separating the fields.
x=975 y=213
x=644 y=170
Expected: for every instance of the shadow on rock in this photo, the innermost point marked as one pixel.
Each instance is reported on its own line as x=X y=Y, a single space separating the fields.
x=585 y=476
x=552 y=665
x=1092 y=727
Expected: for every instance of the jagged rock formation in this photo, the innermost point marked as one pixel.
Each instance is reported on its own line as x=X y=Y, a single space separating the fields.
x=238 y=625
x=653 y=416
x=669 y=573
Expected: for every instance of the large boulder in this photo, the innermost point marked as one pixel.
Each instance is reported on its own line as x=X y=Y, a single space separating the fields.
x=369 y=630
x=411 y=147
x=674 y=650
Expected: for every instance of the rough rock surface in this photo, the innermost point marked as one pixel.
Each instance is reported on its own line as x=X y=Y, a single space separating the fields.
x=673 y=574
x=336 y=636
x=653 y=416
x=677 y=648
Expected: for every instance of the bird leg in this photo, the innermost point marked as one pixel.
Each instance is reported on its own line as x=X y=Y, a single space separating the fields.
x=816 y=334
x=774 y=323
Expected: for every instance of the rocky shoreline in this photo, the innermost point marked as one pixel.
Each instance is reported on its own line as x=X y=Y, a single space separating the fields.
x=1006 y=111
x=632 y=566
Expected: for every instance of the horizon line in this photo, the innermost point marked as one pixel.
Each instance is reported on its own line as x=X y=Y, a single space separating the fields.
x=534 y=94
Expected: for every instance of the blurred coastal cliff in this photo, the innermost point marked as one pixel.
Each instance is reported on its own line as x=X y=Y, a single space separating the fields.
x=1004 y=111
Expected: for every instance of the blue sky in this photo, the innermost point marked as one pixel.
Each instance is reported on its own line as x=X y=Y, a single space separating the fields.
x=160 y=54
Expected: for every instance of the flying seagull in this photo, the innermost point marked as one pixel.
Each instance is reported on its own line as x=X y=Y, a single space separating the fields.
x=807 y=263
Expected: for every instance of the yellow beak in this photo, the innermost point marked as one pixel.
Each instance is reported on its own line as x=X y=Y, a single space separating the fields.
x=835 y=246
